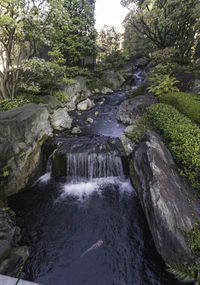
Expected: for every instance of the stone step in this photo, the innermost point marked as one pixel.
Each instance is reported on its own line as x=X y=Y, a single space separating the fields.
x=7 y=280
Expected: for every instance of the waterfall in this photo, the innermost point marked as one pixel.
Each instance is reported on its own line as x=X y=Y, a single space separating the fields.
x=81 y=166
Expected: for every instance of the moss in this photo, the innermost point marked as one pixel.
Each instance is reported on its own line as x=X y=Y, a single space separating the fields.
x=186 y=103
x=182 y=137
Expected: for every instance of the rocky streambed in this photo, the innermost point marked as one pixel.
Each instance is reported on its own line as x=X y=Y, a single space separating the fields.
x=85 y=195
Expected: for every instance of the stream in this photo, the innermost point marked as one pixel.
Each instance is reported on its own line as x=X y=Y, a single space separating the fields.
x=62 y=217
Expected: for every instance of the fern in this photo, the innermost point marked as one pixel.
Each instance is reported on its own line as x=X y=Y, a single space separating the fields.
x=185 y=272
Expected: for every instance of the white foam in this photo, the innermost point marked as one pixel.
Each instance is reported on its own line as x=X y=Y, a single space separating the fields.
x=44 y=178
x=83 y=190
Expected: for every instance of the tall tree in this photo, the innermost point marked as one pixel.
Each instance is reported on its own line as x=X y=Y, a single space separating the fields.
x=77 y=38
x=166 y=23
x=24 y=25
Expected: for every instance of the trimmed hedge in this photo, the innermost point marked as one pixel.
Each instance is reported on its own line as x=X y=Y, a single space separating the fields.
x=182 y=137
x=186 y=103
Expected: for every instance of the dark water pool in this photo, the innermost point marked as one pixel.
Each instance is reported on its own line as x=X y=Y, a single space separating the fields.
x=60 y=221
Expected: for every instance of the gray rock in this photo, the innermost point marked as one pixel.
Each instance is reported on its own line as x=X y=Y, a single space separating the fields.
x=166 y=200
x=75 y=92
x=22 y=132
x=96 y=91
x=61 y=120
x=132 y=109
x=96 y=114
x=90 y=120
x=196 y=86
x=112 y=78
x=127 y=144
x=76 y=130
x=52 y=102
x=85 y=105
x=106 y=90
x=5 y=248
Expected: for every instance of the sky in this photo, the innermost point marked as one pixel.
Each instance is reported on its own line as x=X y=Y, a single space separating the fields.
x=109 y=12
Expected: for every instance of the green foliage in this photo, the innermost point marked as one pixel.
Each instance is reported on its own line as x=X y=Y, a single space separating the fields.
x=182 y=137
x=138 y=91
x=160 y=84
x=186 y=103
x=110 y=48
x=186 y=272
x=25 y=26
x=19 y=101
x=140 y=128
x=97 y=83
x=159 y=22
x=75 y=38
x=61 y=96
x=74 y=71
x=193 y=239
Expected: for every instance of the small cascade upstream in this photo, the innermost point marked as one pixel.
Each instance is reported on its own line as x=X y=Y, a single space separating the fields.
x=86 y=196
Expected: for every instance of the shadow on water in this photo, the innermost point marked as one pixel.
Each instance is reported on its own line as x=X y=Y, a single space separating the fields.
x=60 y=221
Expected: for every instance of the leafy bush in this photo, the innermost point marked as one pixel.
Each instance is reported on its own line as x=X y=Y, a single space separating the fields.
x=160 y=84
x=61 y=96
x=138 y=91
x=182 y=138
x=186 y=103
x=19 y=101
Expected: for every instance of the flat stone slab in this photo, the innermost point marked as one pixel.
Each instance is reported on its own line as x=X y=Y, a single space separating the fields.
x=7 y=280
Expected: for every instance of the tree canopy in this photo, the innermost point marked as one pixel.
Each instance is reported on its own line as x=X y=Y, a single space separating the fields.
x=166 y=23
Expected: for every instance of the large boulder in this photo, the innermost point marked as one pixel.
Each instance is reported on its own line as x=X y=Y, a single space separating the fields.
x=166 y=200
x=85 y=105
x=61 y=120
x=22 y=133
x=131 y=109
x=113 y=79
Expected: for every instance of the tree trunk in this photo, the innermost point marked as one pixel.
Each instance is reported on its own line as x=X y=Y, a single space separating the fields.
x=4 y=90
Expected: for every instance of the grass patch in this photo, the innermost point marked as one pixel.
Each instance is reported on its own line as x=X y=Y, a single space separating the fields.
x=186 y=103
x=19 y=101
x=140 y=90
x=182 y=137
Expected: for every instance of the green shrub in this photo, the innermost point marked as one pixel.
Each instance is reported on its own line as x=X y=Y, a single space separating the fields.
x=138 y=91
x=160 y=84
x=182 y=137
x=61 y=96
x=19 y=101
x=186 y=103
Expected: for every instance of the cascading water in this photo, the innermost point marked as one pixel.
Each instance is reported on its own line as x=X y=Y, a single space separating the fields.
x=81 y=166
x=86 y=199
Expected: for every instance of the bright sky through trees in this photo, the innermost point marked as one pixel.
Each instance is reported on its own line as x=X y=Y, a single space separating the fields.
x=109 y=12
